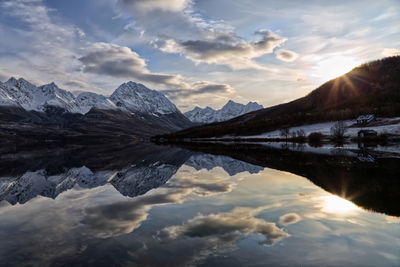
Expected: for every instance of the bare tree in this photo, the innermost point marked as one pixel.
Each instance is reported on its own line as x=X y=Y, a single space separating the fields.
x=301 y=133
x=338 y=130
x=284 y=132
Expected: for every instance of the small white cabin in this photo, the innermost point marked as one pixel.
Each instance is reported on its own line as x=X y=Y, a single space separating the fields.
x=364 y=119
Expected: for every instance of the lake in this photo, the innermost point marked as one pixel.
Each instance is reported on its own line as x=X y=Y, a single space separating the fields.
x=198 y=205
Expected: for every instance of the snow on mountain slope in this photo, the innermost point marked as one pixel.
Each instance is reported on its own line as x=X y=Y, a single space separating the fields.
x=137 y=179
x=88 y=100
x=228 y=111
x=52 y=95
x=131 y=97
x=137 y=98
x=22 y=93
x=40 y=183
x=132 y=181
x=230 y=165
x=5 y=98
x=200 y=115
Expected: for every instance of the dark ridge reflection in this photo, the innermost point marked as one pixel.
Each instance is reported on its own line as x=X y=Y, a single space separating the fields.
x=370 y=181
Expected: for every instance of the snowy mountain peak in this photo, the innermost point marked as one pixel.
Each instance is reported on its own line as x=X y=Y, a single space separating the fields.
x=231 y=105
x=89 y=100
x=129 y=97
x=137 y=98
x=230 y=110
x=51 y=86
x=11 y=81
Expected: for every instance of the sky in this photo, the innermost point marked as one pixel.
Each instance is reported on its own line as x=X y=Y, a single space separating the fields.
x=197 y=52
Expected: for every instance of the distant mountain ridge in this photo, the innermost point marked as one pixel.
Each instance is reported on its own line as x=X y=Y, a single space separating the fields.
x=49 y=112
x=230 y=110
x=372 y=88
x=130 y=97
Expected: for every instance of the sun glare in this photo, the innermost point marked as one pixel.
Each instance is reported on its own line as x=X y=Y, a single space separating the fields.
x=333 y=66
x=335 y=204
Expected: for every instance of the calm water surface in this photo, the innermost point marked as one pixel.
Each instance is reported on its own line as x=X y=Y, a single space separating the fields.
x=197 y=210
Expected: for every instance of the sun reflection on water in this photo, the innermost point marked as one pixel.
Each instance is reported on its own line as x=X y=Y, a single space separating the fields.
x=338 y=205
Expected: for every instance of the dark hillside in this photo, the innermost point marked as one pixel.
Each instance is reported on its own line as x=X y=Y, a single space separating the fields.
x=373 y=87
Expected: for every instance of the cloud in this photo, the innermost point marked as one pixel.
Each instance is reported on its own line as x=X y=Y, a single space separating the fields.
x=126 y=216
x=388 y=52
x=286 y=55
x=35 y=45
x=199 y=88
x=237 y=55
x=226 y=228
x=120 y=61
x=3 y=76
x=150 y=5
x=202 y=187
x=289 y=218
x=76 y=83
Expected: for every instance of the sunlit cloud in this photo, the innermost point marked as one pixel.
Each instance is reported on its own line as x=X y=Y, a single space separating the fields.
x=149 y=5
x=126 y=216
x=221 y=229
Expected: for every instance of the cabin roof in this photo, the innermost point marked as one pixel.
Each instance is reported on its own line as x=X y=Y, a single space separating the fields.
x=368 y=131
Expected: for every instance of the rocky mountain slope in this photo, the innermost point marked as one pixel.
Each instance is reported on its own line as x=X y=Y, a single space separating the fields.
x=49 y=112
x=230 y=110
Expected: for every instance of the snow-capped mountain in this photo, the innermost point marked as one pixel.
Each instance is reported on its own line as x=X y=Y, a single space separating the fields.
x=89 y=100
x=228 y=111
x=131 y=97
x=52 y=95
x=137 y=98
x=143 y=174
x=133 y=181
x=30 y=97
x=137 y=179
x=132 y=110
x=5 y=98
x=230 y=165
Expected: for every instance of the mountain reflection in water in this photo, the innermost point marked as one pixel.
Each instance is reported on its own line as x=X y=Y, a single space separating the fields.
x=213 y=205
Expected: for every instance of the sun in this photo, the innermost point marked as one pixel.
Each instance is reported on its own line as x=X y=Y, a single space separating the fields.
x=338 y=205
x=333 y=65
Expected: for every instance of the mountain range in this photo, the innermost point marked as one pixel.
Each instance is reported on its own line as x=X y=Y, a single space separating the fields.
x=372 y=88
x=133 y=111
x=49 y=112
x=230 y=110
x=130 y=97
x=131 y=174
